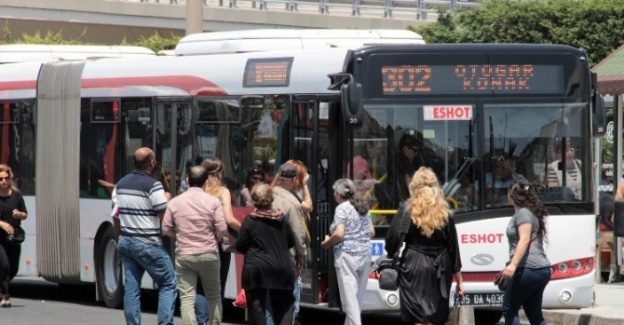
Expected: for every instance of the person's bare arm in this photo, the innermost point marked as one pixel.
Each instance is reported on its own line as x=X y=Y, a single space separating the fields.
x=306 y=201
x=228 y=211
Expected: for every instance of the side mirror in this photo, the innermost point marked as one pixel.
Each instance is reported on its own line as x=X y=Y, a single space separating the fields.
x=351 y=100
x=599 y=116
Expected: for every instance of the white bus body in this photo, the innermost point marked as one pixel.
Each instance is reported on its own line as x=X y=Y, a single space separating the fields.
x=13 y=53
x=290 y=39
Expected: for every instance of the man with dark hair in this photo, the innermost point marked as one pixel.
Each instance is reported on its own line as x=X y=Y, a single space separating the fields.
x=407 y=162
x=197 y=222
x=141 y=204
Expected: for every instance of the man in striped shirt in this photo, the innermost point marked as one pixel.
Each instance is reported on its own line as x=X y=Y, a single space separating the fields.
x=141 y=205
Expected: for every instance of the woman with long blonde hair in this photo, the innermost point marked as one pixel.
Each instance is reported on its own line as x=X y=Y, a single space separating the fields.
x=214 y=186
x=431 y=255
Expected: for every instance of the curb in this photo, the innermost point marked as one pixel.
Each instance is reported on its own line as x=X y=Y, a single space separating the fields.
x=566 y=318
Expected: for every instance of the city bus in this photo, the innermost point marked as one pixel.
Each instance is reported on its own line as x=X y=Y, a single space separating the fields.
x=257 y=40
x=344 y=113
x=13 y=53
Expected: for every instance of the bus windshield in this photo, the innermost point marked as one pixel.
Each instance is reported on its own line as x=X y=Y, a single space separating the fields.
x=470 y=144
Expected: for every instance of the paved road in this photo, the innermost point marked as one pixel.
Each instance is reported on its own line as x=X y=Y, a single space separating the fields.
x=40 y=302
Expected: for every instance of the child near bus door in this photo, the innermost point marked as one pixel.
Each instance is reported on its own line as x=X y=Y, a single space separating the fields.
x=529 y=270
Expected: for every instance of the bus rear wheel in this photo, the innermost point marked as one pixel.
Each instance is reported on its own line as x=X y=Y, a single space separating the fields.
x=108 y=270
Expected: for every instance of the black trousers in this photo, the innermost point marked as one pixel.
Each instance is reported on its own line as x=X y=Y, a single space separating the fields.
x=282 y=306
x=9 y=265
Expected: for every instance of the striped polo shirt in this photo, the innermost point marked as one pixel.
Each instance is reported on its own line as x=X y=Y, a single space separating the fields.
x=139 y=198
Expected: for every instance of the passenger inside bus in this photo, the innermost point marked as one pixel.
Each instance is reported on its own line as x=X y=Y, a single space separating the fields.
x=407 y=161
x=565 y=161
x=501 y=175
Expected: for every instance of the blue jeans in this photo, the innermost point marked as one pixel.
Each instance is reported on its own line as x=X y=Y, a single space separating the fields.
x=138 y=257
x=296 y=293
x=525 y=289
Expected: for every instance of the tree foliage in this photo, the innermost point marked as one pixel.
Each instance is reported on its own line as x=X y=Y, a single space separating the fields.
x=155 y=42
x=597 y=26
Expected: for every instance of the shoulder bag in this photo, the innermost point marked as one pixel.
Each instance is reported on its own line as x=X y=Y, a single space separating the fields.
x=17 y=237
x=388 y=269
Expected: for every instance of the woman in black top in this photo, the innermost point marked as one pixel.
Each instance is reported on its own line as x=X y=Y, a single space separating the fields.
x=266 y=238
x=12 y=212
x=431 y=257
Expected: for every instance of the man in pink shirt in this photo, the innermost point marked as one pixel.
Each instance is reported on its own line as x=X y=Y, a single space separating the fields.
x=197 y=222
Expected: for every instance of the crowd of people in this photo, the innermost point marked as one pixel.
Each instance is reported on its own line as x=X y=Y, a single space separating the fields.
x=274 y=239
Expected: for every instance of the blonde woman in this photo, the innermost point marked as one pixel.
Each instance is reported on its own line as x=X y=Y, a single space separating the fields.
x=214 y=187
x=431 y=254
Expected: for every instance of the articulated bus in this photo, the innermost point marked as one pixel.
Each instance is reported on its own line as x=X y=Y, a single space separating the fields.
x=465 y=110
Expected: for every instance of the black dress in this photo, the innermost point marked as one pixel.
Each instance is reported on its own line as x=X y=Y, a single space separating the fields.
x=426 y=270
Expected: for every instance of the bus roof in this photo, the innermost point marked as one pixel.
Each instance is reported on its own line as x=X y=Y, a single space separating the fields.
x=290 y=39
x=12 y=53
x=214 y=75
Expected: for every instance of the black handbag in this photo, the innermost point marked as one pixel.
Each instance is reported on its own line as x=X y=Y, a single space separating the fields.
x=17 y=237
x=388 y=269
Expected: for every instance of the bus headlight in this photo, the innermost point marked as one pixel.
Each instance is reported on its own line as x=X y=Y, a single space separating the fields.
x=565 y=296
x=392 y=299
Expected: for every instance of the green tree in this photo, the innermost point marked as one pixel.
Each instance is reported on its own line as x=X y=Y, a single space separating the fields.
x=597 y=26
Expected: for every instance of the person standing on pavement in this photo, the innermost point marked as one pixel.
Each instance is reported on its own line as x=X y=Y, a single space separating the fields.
x=288 y=181
x=141 y=205
x=528 y=270
x=12 y=212
x=431 y=256
x=214 y=187
x=197 y=223
x=351 y=231
x=266 y=238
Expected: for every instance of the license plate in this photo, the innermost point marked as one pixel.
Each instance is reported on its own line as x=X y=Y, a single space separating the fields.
x=483 y=299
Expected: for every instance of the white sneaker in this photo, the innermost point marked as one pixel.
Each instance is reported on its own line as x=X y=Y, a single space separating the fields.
x=5 y=302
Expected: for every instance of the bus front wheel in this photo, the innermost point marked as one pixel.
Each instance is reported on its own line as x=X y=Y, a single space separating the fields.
x=108 y=270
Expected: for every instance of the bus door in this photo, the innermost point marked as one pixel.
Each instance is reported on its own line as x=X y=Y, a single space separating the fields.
x=311 y=136
x=172 y=140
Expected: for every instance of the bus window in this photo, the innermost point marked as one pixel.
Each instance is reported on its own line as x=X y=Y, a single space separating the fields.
x=137 y=122
x=99 y=136
x=217 y=133
x=17 y=143
x=396 y=140
x=526 y=141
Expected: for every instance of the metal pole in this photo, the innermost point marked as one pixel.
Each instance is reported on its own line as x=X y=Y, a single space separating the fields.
x=597 y=169
x=617 y=169
x=194 y=16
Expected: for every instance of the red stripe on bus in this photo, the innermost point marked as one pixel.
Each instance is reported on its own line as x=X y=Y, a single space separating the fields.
x=191 y=84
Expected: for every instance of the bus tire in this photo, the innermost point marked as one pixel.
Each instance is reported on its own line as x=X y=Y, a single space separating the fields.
x=108 y=270
x=487 y=317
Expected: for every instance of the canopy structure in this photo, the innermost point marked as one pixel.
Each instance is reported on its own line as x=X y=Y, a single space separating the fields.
x=611 y=73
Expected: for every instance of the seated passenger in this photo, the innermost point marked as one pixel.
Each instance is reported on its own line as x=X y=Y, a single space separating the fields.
x=498 y=180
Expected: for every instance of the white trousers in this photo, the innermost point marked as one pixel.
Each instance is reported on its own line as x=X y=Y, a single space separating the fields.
x=352 y=276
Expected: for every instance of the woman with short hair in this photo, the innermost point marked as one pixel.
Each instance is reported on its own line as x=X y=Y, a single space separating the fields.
x=351 y=231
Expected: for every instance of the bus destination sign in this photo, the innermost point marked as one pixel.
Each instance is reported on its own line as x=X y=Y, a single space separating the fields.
x=508 y=79
x=267 y=72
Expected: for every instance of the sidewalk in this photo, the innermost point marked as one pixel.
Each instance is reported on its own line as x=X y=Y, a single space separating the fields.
x=608 y=309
